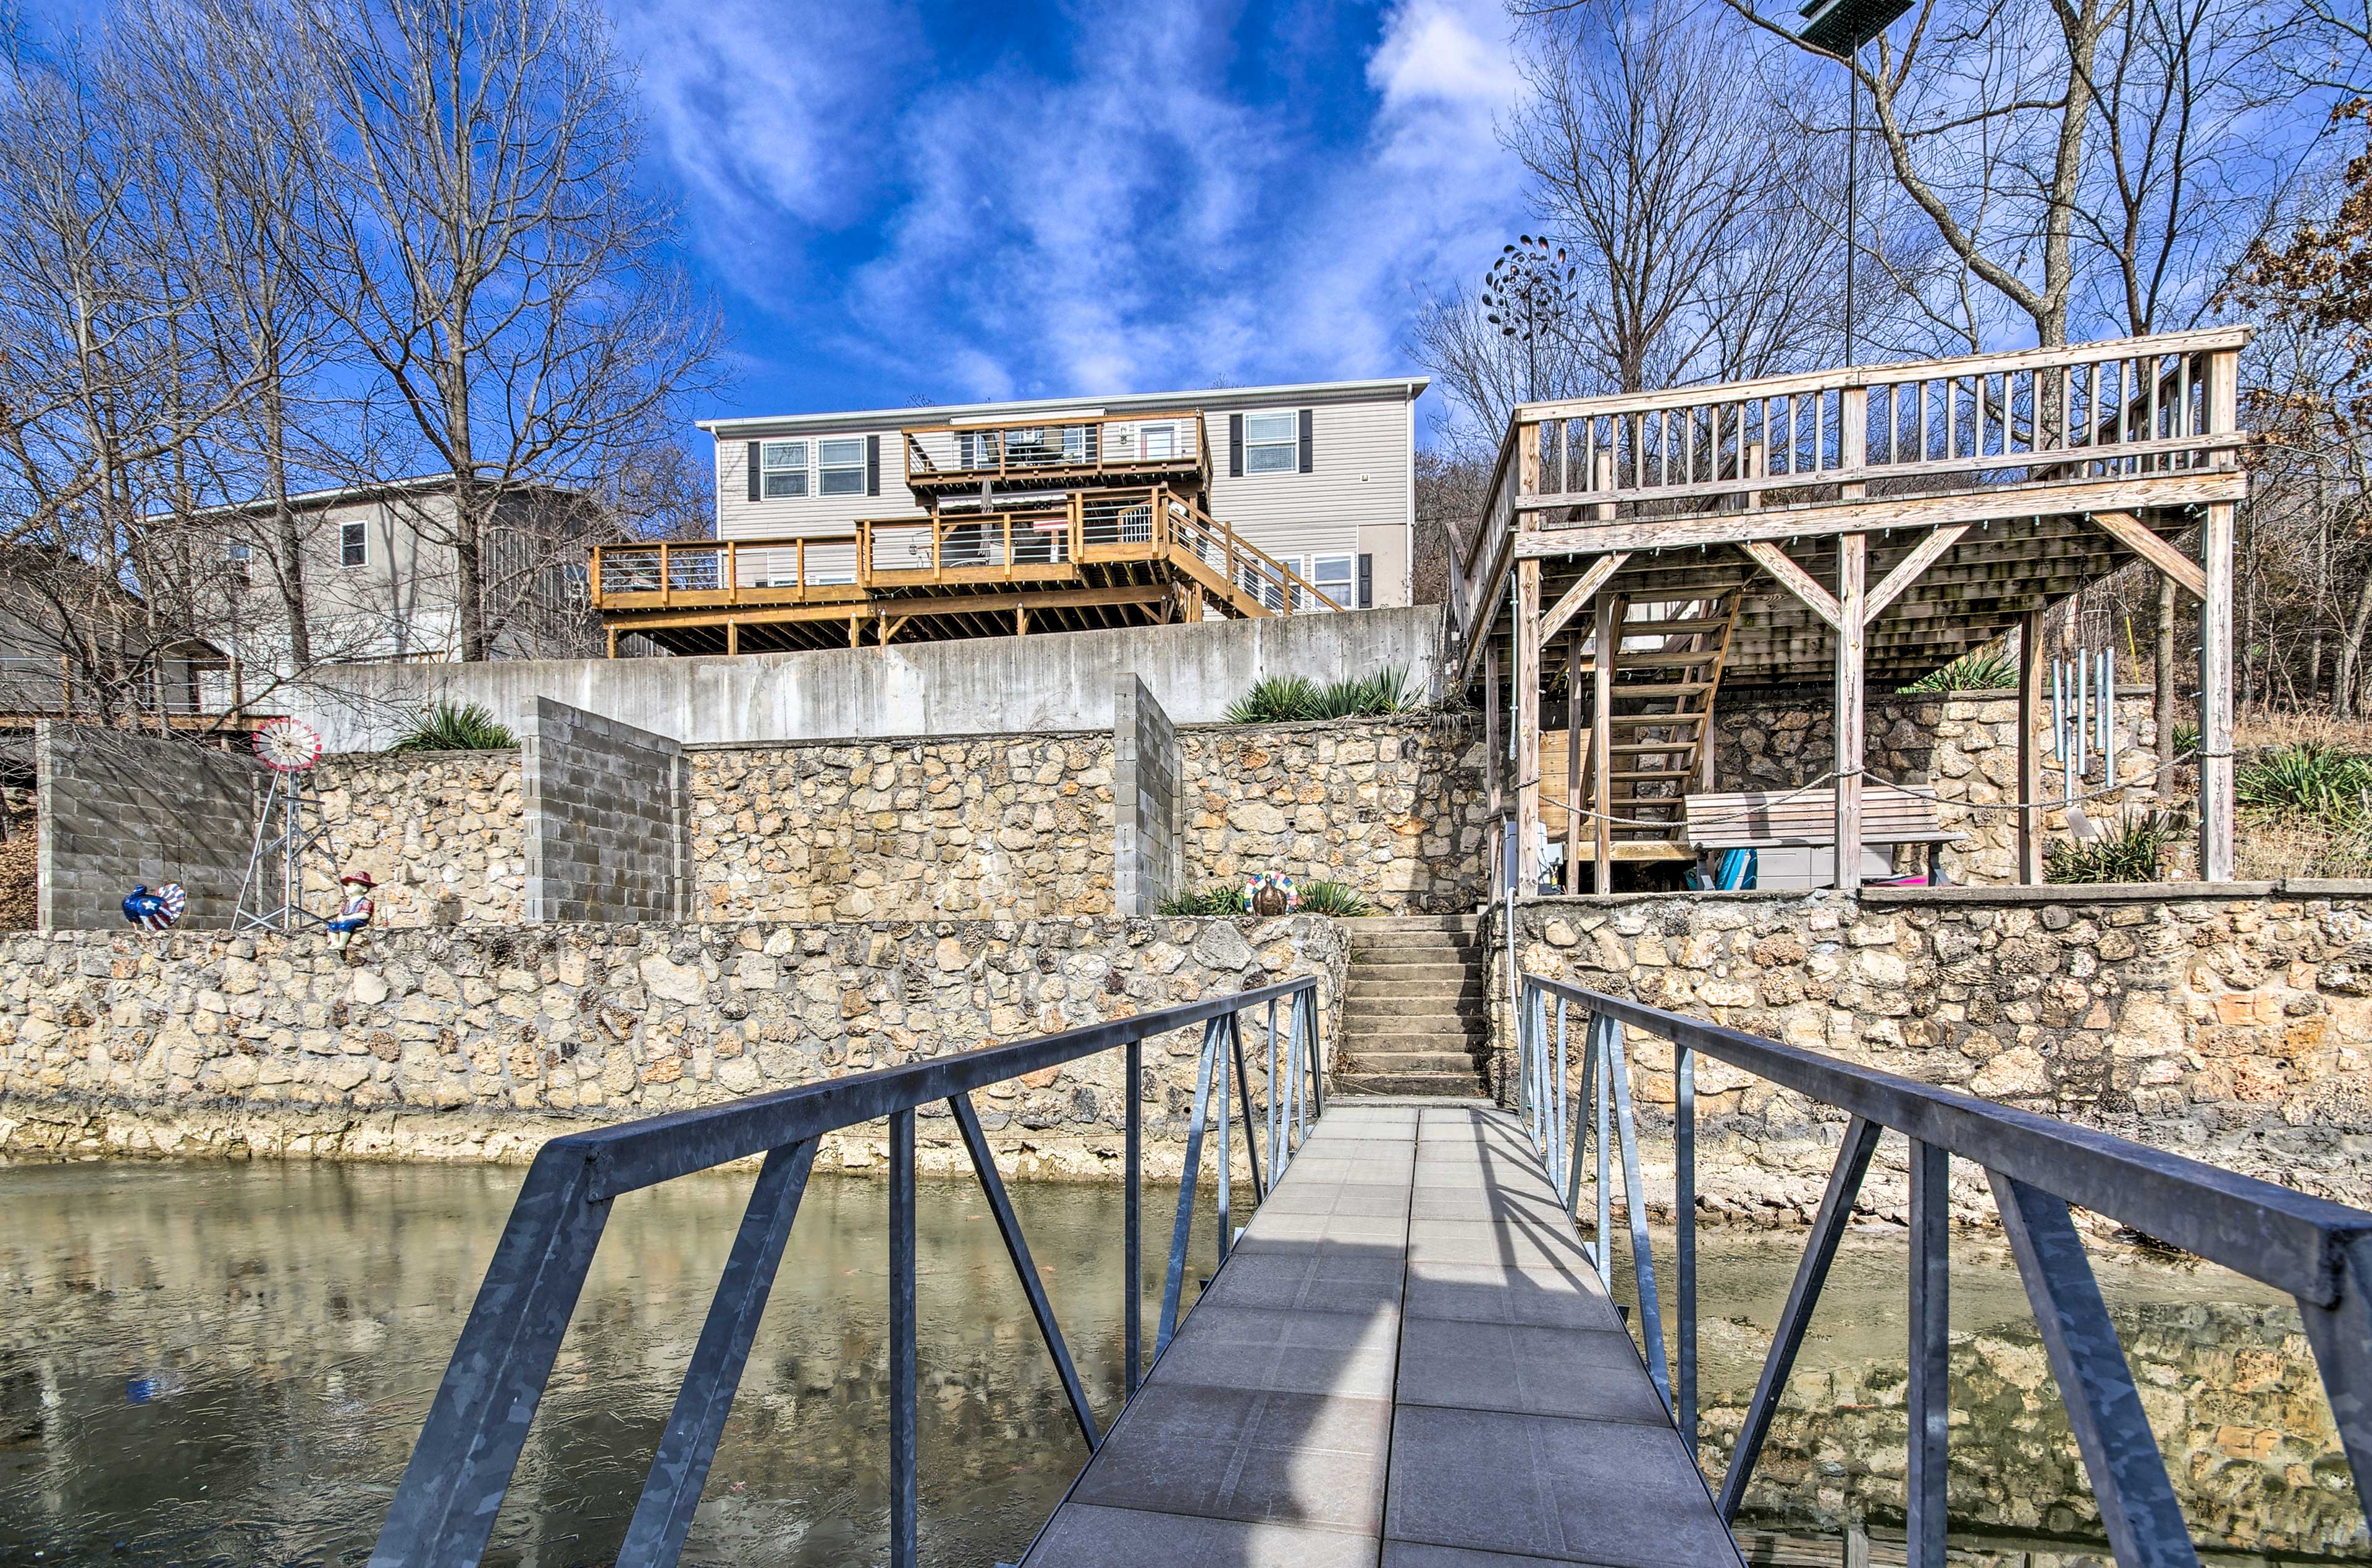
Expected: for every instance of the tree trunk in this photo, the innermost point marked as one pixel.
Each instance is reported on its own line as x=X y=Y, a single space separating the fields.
x=2163 y=703
x=2351 y=652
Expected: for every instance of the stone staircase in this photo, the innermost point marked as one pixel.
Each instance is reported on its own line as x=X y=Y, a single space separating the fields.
x=1414 y=1020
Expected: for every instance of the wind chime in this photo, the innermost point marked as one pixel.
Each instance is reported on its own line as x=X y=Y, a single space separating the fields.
x=288 y=832
x=2084 y=718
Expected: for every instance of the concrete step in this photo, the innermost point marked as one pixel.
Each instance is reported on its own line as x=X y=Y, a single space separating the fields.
x=1458 y=990
x=1364 y=971
x=1440 y=1085
x=1365 y=1060
x=1425 y=949
x=1434 y=1033
x=1364 y=926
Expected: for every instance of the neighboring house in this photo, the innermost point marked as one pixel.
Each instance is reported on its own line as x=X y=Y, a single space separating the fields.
x=1317 y=475
x=382 y=583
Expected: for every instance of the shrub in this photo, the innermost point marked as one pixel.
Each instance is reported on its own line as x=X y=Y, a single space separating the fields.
x=1969 y=672
x=1296 y=699
x=454 y=727
x=2186 y=738
x=2308 y=780
x=1334 y=898
x=2129 y=853
x=1217 y=899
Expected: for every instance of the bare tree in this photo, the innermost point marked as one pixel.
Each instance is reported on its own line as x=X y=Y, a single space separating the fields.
x=493 y=258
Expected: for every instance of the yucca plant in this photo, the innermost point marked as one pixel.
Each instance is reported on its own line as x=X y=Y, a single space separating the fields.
x=2186 y=738
x=1296 y=699
x=1217 y=899
x=1969 y=672
x=454 y=727
x=2308 y=780
x=1338 y=899
x=1276 y=698
x=2131 y=852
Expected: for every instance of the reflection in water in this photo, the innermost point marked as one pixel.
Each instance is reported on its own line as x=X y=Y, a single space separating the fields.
x=2225 y=1374
x=228 y=1363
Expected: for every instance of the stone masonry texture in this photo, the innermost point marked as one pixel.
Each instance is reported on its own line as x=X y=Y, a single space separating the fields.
x=479 y=1042
x=120 y=808
x=442 y=833
x=2230 y=1025
x=1147 y=825
x=606 y=810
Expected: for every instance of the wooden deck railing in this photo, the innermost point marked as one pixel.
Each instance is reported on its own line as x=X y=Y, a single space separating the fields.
x=954 y=548
x=2139 y=409
x=1034 y=450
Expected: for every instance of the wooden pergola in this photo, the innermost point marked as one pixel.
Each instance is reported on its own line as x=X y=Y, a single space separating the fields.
x=1866 y=524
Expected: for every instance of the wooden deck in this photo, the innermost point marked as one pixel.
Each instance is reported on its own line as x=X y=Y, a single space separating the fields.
x=1094 y=558
x=1407 y=1360
x=1861 y=526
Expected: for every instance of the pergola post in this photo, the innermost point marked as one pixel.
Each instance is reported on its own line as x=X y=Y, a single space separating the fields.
x=1527 y=725
x=2030 y=755
x=1573 y=814
x=1601 y=739
x=1852 y=577
x=2216 y=811
x=1494 y=803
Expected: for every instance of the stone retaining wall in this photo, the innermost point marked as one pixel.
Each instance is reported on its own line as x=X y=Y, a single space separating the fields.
x=2233 y=1024
x=477 y=1043
x=440 y=831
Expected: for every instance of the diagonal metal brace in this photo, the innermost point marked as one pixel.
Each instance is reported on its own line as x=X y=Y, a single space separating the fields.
x=1811 y=1273
x=2121 y=1455
x=1173 y=1284
x=671 y=1493
x=1007 y=1225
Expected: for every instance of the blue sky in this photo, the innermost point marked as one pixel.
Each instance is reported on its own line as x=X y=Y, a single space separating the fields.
x=902 y=202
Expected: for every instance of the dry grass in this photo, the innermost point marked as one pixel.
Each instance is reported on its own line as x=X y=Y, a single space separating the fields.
x=19 y=891
x=2271 y=845
x=2259 y=727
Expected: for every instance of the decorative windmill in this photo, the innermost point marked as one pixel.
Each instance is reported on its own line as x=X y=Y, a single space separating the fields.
x=288 y=832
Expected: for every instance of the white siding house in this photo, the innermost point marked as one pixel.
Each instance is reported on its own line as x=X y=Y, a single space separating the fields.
x=1319 y=475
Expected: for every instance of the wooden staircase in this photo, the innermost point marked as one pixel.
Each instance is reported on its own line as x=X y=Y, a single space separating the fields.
x=1668 y=665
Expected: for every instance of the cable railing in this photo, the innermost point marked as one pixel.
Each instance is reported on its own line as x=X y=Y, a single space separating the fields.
x=2317 y=1251
x=468 y=1449
x=1019 y=450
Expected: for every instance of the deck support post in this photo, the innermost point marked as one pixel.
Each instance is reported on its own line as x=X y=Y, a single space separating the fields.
x=1601 y=739
x=1527 y=726
x=1853 y=577
x=2215 y=697
x=1572 y=818
x=613 y=654
x=733 y=636
x=1494 y=801
x=2030 y=754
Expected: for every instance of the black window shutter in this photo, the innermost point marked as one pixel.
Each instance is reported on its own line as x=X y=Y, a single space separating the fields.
x=1306 y=423
x=757 y=481
x=1366 y=582
x=873 y=465
x=1234 y=445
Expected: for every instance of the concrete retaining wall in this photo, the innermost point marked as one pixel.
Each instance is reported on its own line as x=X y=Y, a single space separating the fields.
x=976 y=685
x=607 y=812
x=120 y=808
x=1147 y=822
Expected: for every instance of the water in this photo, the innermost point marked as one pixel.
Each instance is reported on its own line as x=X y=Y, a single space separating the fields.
x=227 y=1364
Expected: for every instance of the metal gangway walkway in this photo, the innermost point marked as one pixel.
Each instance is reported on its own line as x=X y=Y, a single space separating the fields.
x=1408 y=1357
x=1409 y=1350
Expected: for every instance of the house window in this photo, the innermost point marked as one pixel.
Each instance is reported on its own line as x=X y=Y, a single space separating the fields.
x=1336 y=576
x=354 y=543
x=842 y=466
x=786 y=467
x=1271 y=443
x=239 y=559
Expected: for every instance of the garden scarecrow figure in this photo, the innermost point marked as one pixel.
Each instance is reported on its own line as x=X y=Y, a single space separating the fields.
x=358 y=886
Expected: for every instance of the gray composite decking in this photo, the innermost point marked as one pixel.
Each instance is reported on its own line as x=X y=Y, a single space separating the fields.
x=1406 y=1362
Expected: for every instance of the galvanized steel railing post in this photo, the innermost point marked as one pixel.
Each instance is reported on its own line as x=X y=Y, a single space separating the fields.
x=1684 y=1235
x=1133 y=1233
x=905 y=1516
x=1929 y=1396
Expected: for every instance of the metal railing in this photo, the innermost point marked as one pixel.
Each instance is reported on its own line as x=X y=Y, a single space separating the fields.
x=462 y=1463
x=2317 y=1251
x=2150 y=408
x=1037 y=449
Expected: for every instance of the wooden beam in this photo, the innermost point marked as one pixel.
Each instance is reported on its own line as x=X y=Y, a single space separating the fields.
x=1908 y=570
x=1853 y=574
x=1021 y=619
x=2144 y=541
x=855 y=630
x=1527 y=726
x=1572 y=763
x=2194 y=487
x=1796 y=581
x=1608 y=635
x=1493 y=801
x=2215 y=813
x=1569 y=604
x=733 y=636
x=2030 y=753
x=613 y=654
